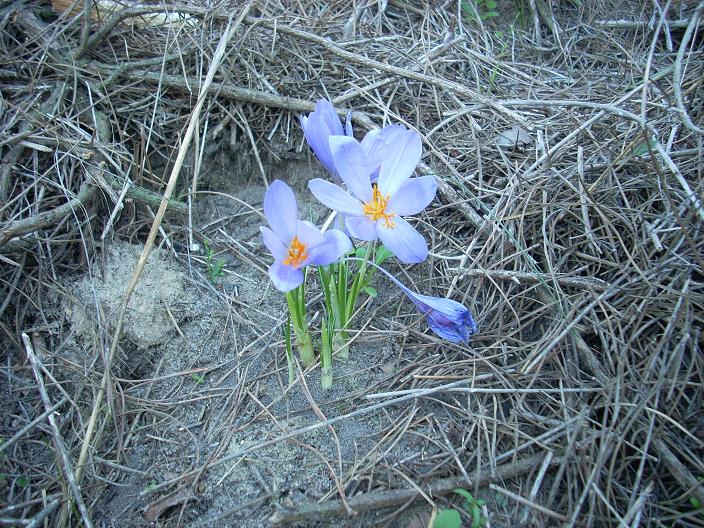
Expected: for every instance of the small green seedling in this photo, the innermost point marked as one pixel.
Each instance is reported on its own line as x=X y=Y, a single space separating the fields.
x=474 y=507
x=198 y=378
x=213 y=266
x=486 y=9
x=450 y=517
x=695 y=502
x=500 y=500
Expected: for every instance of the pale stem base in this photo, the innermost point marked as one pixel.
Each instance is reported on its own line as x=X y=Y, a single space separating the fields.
x=305 y=347
x=326 y=377
x=340 y=344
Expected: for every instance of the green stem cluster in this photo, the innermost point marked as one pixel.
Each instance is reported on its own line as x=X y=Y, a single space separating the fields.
x=341 y=288
x=341 y=297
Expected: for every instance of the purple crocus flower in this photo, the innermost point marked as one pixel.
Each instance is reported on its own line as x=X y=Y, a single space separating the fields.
x=324 y=122
x=449 y=319
x=319 y=126
x=376 y=210
x=294 y=243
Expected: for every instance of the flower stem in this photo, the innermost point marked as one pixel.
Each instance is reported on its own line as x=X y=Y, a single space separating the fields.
x=297 y=309
x=305 y=346
x=327 y=331
x=358 y=283
x=289 y=351
x=339 y=343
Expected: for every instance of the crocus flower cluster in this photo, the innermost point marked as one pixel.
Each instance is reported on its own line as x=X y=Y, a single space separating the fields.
x=374 y=191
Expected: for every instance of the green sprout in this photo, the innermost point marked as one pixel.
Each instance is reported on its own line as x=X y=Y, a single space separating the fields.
x=213 y=266
x=198 y=378
x=327 y=335
x=474 y=507
x=450 y=517
x=289 y=351
x=447 y=518
x=485 y=9
x=695 y=502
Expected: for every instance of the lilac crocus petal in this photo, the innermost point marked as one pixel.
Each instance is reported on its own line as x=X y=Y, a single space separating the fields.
x=318 y=126
x=273 y=244
x=402 y=154
x=373 y=146
x=449 y=330
x=447 y=318
x=402 y=240
x=327 y=112
x=281 y=211
x=335 y=244
x=284 y=277
x=335 y=198
x=351 y=165
x=361 y=227
x=374 y=141
x=310 y=236
x=413 y=196
x=391 y=131
x=317 y=135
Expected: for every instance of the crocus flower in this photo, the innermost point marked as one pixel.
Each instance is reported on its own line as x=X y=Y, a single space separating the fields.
x=449 y=319
x=319 y=126
x=294 y=243
x=376 y=210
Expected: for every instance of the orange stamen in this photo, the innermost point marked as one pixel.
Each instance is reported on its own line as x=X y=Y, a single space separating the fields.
x=296 y=253
x=377 y=208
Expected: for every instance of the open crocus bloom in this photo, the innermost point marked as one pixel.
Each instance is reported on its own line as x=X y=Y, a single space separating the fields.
x=319 y=126
x=294 y=243
x=376 y=209
x=449 y=319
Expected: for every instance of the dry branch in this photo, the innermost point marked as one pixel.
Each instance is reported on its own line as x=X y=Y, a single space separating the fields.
x=387 y=499
x=47 y=218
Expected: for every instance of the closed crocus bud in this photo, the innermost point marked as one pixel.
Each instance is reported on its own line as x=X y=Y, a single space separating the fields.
x=449 y=319
x=319 y=126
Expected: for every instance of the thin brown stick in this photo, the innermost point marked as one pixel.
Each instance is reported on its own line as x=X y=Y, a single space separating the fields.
x=387 y=499
x=48 y=218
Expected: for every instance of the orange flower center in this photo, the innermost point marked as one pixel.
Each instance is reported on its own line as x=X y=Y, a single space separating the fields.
x=296 y=253
x=377 y=208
